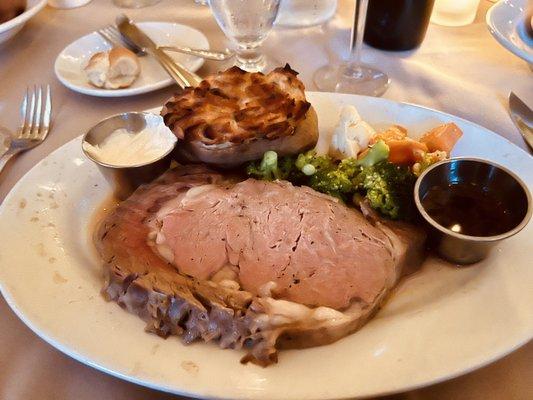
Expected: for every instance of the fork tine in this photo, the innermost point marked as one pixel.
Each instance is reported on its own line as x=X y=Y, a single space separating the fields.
x=23 y=113
x=47 y=114
x=118 y=37
x=124 y=40
x=107 y=38
x=28 y=123
x=38 y=112
x=114 y=31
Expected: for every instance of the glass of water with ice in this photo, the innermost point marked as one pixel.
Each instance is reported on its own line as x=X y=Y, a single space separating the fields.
x=247 y=24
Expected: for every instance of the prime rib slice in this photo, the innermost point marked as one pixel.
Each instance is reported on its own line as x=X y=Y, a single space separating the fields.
x=264 y=265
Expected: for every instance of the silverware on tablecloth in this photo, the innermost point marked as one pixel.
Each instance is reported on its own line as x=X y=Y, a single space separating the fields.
x=113 y=36
x=35 y=113
x=522 y=117
x=178 y=72
x=207 y=54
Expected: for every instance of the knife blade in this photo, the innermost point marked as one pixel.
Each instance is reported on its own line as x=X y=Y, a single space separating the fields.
x=522 y=117
x=134 y=34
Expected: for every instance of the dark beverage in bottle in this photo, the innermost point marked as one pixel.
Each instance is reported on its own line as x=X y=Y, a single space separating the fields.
x=397 y=24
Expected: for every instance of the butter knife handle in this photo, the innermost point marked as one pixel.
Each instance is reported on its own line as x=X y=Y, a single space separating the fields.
x=208 y=54
x=189 y=77
x=173 y=72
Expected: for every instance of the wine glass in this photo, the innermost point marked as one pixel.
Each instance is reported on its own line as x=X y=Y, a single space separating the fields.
x=352 y=76
x=247 y=24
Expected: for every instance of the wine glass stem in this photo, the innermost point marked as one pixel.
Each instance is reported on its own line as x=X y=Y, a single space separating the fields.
x=248 y=55
x=249 y=58
x=358 y=30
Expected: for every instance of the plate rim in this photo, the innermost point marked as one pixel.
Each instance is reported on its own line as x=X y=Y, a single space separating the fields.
x=6 y=293
x=124 y=92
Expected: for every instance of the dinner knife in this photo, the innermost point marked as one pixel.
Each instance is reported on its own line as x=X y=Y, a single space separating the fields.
x=522 y=117
x=131 y=32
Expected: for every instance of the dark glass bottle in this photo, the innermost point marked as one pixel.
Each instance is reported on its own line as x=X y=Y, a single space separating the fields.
x=397 y=24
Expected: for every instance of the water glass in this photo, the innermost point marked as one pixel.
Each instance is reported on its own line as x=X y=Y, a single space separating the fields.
x=303 y=13
x=246 y=23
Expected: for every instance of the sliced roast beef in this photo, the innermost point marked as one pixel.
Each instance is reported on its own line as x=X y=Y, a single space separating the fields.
x=260 y=264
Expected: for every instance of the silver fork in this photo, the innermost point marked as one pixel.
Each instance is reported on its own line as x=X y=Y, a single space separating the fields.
x=112 y=35
x=35 y=114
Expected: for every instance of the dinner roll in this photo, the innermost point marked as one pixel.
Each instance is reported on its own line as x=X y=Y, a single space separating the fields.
x=114 y=69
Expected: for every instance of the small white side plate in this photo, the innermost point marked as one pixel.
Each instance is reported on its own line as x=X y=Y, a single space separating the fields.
x=71 y=61
x=506 y=22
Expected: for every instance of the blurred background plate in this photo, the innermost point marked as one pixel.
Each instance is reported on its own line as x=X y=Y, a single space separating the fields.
x=507 y=21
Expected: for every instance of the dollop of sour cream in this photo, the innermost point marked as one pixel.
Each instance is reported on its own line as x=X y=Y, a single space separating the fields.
x=123 y=148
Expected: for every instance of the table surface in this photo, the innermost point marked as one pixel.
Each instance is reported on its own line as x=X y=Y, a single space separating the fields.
x=462 y=71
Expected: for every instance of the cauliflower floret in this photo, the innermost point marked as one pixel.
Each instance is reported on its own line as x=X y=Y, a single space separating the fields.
x=351 y=135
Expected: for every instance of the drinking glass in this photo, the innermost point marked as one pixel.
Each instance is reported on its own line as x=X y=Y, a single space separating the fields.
x=247 y=24
x=454 y=12
x=352 y=76
x=303 y=13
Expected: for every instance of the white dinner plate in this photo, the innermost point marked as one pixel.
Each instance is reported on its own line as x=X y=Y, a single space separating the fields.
x=507 y=23
x=442 y=321
x=71 y=61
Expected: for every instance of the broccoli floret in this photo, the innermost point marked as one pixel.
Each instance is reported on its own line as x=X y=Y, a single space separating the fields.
x=377 y=153
x=267 y=169
x=388 y=188
x=322 y=174
x=350 y=167
x=333 y=182
x=319 y=163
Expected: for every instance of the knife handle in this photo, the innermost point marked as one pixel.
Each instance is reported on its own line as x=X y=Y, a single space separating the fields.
x=178 y=78
x=180 y=74
x=208 y=54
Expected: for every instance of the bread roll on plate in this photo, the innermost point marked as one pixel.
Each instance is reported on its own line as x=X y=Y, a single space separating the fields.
x=113 y=69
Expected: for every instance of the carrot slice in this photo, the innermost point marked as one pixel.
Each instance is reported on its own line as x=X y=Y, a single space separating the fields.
x=442 y=138
x=406 y=151
x=395 y=132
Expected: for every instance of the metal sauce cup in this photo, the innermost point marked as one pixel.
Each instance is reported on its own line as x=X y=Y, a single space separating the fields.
x=510 y=190
x=125 y=179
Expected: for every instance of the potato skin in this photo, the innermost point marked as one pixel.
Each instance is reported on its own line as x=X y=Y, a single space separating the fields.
x=230 y=155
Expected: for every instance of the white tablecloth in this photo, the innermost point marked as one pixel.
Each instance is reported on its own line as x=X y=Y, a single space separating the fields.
x=458 y=70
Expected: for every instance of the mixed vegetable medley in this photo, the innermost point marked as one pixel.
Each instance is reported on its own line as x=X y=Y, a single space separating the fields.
x=362 y=164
